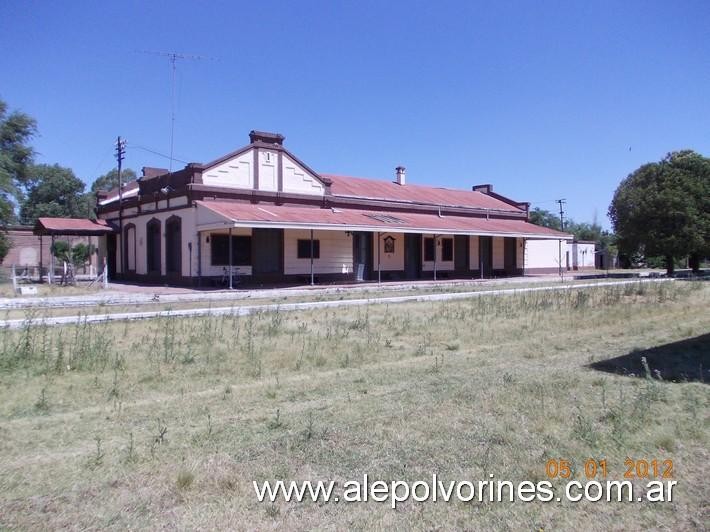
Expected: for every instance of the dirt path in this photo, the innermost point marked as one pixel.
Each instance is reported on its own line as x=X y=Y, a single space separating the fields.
x=285 y=307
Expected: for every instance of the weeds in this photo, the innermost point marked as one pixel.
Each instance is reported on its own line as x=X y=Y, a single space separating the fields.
x=130 y=450
x=475 y=404
x=41 y=405
x=185 y=479
x=162 y=431
x=276 y=422
x=97 y=459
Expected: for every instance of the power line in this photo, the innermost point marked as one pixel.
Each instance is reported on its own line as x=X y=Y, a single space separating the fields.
x=158 y=153
x=543 y=201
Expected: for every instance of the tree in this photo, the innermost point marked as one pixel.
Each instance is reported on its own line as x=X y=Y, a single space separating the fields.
x=663 y=209
x=75 y=257
x=53 y=191
x=544 y=218
x=16 y=156
x=109 y=180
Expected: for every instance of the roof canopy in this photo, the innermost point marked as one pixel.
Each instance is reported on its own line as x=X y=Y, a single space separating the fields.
x=72 y=226
x=219 y=215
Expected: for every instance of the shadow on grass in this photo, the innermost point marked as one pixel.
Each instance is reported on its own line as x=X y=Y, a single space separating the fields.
x=685 y=360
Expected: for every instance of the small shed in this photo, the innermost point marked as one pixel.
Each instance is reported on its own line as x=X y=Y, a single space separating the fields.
x=93 y=230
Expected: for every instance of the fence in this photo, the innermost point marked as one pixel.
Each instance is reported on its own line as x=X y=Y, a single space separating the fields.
x=55 y=274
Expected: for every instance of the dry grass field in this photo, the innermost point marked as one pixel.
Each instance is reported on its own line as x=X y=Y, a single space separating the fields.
x=165 y=423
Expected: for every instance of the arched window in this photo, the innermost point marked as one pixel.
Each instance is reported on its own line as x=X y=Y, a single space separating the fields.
x=129 y=247
x=152 y=242
x=173 y=245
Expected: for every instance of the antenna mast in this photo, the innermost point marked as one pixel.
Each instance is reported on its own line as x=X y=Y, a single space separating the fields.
x=173 y=58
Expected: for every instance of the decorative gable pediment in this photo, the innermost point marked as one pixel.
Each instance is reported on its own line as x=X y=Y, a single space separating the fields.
x=266 y=168
x=237 y=172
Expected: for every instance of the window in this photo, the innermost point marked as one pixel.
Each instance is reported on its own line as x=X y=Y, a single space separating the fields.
x=447 y=249
x=241 y=250
x=173 y=245
x=130 y=247
x=304 y=249
x=153 y=240
x=429 y=249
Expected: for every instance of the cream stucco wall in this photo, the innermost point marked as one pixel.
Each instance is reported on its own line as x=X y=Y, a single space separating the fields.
x=298 y=179
x=389 y=261
x=544 y=254
x=237 y=172
x=520 y=253
x=473 y=255
x=336 y=252
x=583 y=255
x=268 y=170
x=498 y=253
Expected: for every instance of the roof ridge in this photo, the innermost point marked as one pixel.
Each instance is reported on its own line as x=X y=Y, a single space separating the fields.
x=326 y=174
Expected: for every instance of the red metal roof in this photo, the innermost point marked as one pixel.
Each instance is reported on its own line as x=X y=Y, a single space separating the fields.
x=359 y=187
x=72 y=226
x=355 y=219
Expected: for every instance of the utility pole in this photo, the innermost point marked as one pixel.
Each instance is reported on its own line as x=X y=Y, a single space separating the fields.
x=120 y=155
x=562 y=228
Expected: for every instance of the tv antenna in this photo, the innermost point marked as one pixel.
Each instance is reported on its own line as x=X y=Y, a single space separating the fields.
x=173 y=57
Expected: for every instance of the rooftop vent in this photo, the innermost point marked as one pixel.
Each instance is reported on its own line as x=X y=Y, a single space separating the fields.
x=386 y=218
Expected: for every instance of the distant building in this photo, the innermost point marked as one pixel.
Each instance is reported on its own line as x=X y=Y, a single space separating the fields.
x=30 y=253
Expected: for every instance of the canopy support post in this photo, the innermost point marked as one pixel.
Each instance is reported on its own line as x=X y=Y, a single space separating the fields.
x=379 y=269
x=230 y=259
x=50 y=273
x=312 y=278
x=435 y=250
x=41 y=256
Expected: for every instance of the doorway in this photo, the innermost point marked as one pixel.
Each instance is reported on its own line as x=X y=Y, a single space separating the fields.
x=485 y=246
x=111 y=256
x=362 y=255
x=510 y=255
x=412 y=256
x=173 y=248
x=267 y=253
x=152 y=239
x=461 y=255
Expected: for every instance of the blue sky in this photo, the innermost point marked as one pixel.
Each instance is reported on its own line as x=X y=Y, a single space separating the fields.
x=544 y=100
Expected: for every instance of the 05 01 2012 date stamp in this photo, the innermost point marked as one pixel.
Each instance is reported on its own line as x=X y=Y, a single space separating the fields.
x=593 y=469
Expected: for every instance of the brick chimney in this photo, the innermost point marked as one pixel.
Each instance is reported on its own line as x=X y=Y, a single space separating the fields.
x=484 y=189
x=401 y=175
x=265 y=137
